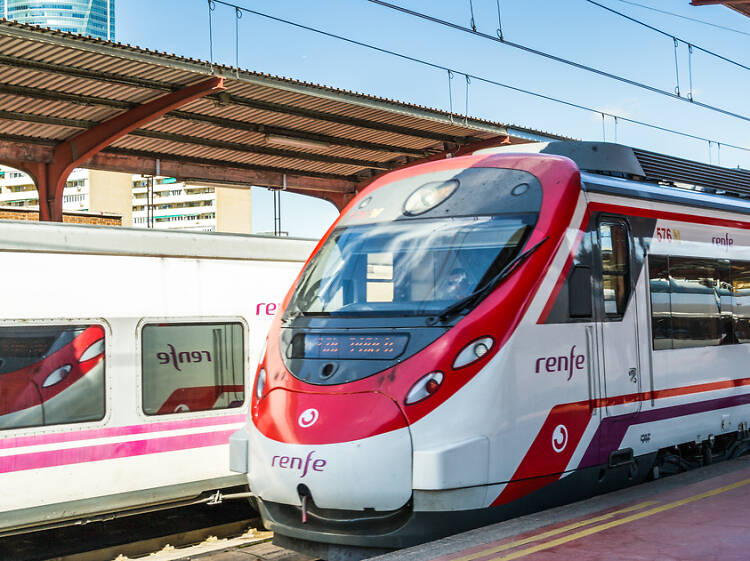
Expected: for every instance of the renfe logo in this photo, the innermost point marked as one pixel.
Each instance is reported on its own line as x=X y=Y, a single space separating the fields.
x=565 y=363
x=308 y=418
x=294 y=462
x=724 y=240
x=559 y=438
x=184 y=356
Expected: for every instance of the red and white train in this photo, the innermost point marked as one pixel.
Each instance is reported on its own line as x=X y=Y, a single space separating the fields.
x=481 y=337
x=125 y=364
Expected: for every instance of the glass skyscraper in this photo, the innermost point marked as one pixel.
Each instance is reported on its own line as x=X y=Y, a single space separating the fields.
x=87 y=17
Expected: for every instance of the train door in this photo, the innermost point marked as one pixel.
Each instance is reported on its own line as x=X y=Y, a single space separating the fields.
x=618 y=328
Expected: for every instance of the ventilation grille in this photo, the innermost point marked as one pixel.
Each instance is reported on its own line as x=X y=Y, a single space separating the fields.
x=661 y=168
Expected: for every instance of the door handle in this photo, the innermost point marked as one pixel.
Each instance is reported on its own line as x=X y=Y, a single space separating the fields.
x=633 y=375
x=589 y=364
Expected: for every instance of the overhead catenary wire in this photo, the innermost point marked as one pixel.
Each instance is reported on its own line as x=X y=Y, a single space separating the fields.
x=670 y=35
x=674 y=95
x=471 y=76
x=696 y=20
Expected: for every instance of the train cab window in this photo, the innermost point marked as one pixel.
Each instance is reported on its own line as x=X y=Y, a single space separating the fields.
x=379 y=277
x=615 y=255
x=192 y=367
x=51 y=375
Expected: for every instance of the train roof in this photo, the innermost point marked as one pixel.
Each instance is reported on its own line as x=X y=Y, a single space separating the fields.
x=115 y=240
x=622 y=170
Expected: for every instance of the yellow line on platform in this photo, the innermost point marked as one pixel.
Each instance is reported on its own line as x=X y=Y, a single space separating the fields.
x=615 y=523
x=550 y=533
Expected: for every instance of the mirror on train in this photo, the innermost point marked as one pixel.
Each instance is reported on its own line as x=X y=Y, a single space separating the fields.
x=579 y=292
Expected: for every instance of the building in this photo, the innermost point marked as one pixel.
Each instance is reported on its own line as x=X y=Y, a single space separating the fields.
x=165 y=203
x=87 y=17
x=141 y=201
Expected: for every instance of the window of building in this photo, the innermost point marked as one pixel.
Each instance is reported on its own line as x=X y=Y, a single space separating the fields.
x=51 y=375
x=615 y=255
x=192 y=367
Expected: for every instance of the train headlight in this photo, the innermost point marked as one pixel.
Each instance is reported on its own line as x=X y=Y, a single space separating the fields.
x=473 y=351
x=57 y=376
x=424 y=388
x=260 y=383
x=428 y=196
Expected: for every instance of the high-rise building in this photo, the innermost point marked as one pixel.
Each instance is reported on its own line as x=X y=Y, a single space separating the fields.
x=87 y=17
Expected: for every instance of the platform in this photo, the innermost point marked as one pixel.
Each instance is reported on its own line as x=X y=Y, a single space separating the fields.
x=698 y=515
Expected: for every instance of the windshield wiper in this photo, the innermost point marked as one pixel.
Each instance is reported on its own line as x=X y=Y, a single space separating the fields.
x=480 y=293
x=289 y=318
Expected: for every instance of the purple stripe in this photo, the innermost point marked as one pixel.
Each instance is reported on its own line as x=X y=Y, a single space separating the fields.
x=611 y=431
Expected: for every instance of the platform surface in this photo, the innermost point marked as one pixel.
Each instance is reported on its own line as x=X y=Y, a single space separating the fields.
x=700 y=515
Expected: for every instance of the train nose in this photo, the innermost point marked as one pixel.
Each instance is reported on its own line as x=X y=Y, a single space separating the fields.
x=344 y=451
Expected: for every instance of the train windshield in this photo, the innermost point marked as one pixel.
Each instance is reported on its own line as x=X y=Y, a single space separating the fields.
x=414 y=267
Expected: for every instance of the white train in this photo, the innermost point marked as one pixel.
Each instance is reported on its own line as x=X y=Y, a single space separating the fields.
x=482 y=337
x=124 y=364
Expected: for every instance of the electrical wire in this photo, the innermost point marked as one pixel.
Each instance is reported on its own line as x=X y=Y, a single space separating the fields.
x=673 y=95
x=696 y=20
x=670 y=35
x=471 y=76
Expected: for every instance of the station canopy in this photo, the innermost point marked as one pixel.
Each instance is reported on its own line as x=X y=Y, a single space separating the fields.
x=246 y=129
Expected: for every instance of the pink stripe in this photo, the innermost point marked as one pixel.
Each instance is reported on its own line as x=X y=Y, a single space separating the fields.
x=53 y=458
x=35 y=440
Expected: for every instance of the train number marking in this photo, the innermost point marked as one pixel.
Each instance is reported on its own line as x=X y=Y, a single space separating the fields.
x=645 y=437
x=667 y=235
x=308 y=418
x=559 y=438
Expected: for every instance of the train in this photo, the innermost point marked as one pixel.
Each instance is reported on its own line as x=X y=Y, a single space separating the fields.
x=126 y=362
x=481 y=337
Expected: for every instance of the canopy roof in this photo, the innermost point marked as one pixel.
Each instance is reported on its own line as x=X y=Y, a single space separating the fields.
x=261 y=130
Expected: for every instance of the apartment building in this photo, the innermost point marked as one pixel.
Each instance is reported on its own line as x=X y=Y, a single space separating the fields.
x=143 y=202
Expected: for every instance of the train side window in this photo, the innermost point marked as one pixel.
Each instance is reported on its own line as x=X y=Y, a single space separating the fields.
x=615 y=254
x=51 y=375
x=700 y=296
x=741 y=293
x=661 y=307
x=192 y=367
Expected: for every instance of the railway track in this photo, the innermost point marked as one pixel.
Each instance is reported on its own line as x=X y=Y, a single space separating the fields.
x=167 y=531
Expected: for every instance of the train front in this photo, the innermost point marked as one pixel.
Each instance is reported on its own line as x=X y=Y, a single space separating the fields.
x=397 y=309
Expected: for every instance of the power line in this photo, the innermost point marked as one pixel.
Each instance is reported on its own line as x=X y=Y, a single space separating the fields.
x=670 y=35
x=470 y=76
x=578 y=65
x=696 y=20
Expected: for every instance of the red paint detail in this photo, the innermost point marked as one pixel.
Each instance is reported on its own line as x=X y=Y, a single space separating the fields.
x=341 y=417
x=542 y=464
x=78 y=435
x=497 y=316
x=52 y=458
x=23 y=388
x=200 y=398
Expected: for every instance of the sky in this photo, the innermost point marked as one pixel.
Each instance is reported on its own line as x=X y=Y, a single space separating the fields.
x=572 y=29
